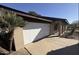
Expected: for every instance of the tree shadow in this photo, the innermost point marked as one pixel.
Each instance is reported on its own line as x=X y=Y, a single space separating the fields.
x=70 y=50
x=2 y=54
x=5 y=45
x=52 y=36
x=40 y=39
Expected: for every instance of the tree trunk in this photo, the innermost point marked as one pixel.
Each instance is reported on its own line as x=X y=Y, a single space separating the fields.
x=11 y=40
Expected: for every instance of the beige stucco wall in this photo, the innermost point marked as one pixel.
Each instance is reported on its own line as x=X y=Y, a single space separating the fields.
x=18 y=38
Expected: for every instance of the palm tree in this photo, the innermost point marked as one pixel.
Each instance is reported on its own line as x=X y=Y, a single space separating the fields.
x=12 y=21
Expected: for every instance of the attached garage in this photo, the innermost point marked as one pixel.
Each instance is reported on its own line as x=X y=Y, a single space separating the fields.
x=35 y=31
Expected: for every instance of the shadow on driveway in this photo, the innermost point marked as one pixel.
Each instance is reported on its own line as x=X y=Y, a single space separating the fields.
x=70 y=50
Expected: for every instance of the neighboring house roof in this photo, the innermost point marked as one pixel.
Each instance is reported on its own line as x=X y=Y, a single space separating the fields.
x=44 y=18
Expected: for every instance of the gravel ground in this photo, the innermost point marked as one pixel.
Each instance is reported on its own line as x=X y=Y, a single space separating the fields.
x=20 y=52
x=4 y=51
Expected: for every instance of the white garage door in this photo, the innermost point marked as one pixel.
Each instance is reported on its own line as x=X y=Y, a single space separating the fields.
x=34 y=31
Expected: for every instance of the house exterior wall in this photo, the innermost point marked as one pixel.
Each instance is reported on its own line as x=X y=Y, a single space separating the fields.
x=52 y=28
x=0 y=12
x=61 y=27
x=34 y=31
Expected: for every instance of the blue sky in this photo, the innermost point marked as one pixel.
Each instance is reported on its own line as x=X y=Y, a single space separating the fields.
x=60 y=10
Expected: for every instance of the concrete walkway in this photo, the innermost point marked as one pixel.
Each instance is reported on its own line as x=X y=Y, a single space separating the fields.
x=46 y=45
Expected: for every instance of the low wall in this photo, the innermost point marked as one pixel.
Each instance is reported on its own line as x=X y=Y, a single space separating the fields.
x=18 y=38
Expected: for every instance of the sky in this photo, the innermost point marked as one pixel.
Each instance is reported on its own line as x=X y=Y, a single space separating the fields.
x=68 y=11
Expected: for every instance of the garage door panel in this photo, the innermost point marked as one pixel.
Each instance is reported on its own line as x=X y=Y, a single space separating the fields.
x=35 y=31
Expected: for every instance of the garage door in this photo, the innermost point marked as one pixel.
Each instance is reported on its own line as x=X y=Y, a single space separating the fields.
x=34 y=31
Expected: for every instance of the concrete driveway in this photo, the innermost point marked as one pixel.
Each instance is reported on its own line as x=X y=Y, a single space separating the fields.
x=49 y=44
